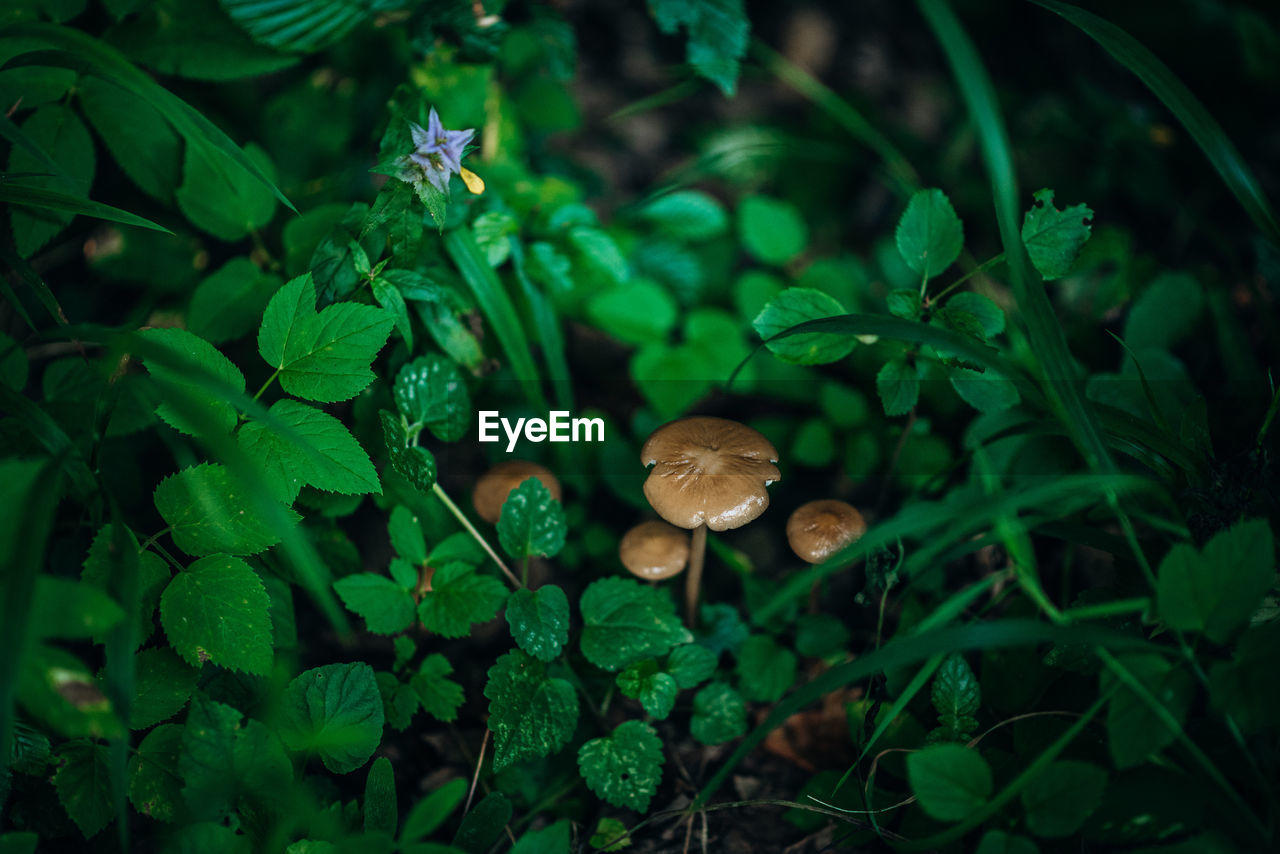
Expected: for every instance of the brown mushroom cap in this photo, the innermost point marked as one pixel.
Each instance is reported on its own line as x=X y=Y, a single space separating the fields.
x=654 y=550
x=708 y=470
x=819 y=529
x=496 y=484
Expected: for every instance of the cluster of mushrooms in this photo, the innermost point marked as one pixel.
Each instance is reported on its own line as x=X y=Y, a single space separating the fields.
x=708 y=473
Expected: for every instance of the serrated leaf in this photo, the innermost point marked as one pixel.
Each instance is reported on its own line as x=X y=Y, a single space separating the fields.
x=717 y=30
x=949 y=781
x=335 y=711
x=225 y=758
x=539 y=620
x=431 y=392
x=765 y=669
x=83 y=782
x=898 y=385
x=439 y=695
x=387 y=607
x=63 y=137
x=162 y=684
x=625 y=767
x=794 y=306
x=1062 y=796
x=407 y=539
x=929 y=234
x=142 y=142
x=598 y=252
x=625 y=621
x=155 y=788
x=321 y=356
x=532 y=522
x=610 y=835
x=203 y=506
x=414 y=464
x=772 y=230
x=1217 y=589
x=218 y=610
x=692 y=664
x=225 y=203
x=212 y=408
x=655 y=690
x=331 y=459
x=956 y=695
x=530 y=714
x=904 y=303
x=459 y=596
x=690 y=215
x=1055 y=237
x=719 y=714
x=229 y=303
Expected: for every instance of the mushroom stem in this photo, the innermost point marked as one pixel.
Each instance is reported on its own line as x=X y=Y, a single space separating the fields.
x=697 y=556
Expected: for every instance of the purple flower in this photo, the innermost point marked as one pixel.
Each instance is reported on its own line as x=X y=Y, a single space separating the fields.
x=438 y=151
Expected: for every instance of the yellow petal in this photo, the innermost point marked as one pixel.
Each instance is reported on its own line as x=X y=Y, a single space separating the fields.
x=473 y=181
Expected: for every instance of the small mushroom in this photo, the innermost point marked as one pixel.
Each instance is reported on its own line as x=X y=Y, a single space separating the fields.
x=496 y=484
x=819 y=529
x=654 y=550
x=707 y=473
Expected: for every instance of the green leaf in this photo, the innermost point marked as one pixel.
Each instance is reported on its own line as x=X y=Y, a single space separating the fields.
x=226 y=205
x=328 y=456
x=796 y=305
x=483 y=825
x=636 y=312
x=217 y=610
x=1134 y=731
x=611 y=835
x=144 y=145
x=414 y=464
x=717 y=30
x=532 y=522
x=690 y=215
x=1165 y=314
x=163 y=683
x=380 y=814
x=949 y=781
x=387 y=607
x=493 y=231
x=459 y=596
x=929 y=234
x=989 y=315
x=204 y=507
x=209 y=408
x=999 y=842
x=155 y=788
x=1062 y=796
x=1245 y=687
x=772 y=231
x=440 y=696
x=84 y=785
x=335 y=711
x=430 y=391
x=956 y=695
x=405 y=530
x=224 y=758
x=655 y=690
x=229 y=303
x=390 y=298
x=62 y=136
x=984 y=392
x=63 y=608
x=539 y=620
x=553 y=839
x=1217 y=589
x=625 y=621
x=303 y=26
x=625 y=767
x=548 y=267
x=598 y=252
x=719 y=714
x=321 y=356
x=692 y=664
x=530 y=714
x=765 y=670
x=904 y=303
x=431 y=812
x=1055 y=237
x=898 y=385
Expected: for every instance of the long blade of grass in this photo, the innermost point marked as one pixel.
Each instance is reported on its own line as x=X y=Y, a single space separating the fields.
x=544 y=319
x=35 y=197
x=10 y=131
x=1166 y=86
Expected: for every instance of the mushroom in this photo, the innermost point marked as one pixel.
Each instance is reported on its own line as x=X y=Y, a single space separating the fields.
x=707 y=473
x=819 y=529
x=654 y=550
x=496 y=484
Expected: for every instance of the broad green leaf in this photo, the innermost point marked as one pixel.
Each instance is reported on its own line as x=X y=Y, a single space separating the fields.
x=144 y=145
x=625 y=767
x=999 y=842
x=598 y=252
x=211 y=407
x=548 y=267
x=985 y=392
x=898 y=385
x=956 y=695
x=532 y=522
x=796 y=305
x=155 y=788
x=399 y=703
x=482 y=826
x=988 y=314
x=57 y=689
x=61 y=134
x=1165 y=314
x=690 y=215
x=162 y=684
x=625 y=621
x=218 y=610
x=204 y=507
x=765 y=669
x=321 y=356
x=611 y=835
x=1216 y=589
x=387 y=607
x=904 y=303
x=493 y=231
x=226 y=205
x=405 y=530
x=772 y=231
x=380 y=814
x=552 y=839
x=719 y=714
x=459 y=596
x=229 y=303
x=225 y=758
x=671 y=379
x=717 y=30
x=331 y=459
x=439 y=695
x=1245 y=687
x=1062 y=796
x=720 y=628
x=335 y=711
x=655 y=690
x=303 y=26
x=1134 y=731
x=1055 y=237
x=949 y=781
x=691 y=664
x=67 y=609
x=430 y=391
x=530 y=714
x=431 y=812
x=635 y=312
x=539 y=620
x=84 y=785
x=390 y=298
x=929 y=234
x=414 y=464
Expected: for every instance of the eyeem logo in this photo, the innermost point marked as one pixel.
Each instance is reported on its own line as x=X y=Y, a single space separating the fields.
x=558 y=427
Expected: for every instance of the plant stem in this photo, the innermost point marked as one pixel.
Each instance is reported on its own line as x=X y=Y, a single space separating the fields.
x=151 y=539
x=267 y=384
x=693 y=581
x=471 y=529
x=985 y=265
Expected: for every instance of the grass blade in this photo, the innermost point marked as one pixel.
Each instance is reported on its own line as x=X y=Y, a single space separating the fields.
x=544 y=318
x=35 y=197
